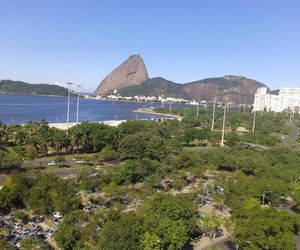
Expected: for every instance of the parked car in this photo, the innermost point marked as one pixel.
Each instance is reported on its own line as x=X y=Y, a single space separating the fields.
x=57 y=215
x=80 y=161
x=52 y=163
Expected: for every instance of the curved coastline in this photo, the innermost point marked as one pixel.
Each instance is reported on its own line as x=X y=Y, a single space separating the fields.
x=152 y=112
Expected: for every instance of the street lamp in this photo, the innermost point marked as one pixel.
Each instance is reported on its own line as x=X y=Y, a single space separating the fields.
x=253 y=125
x=78 y=96
x=223 y=127
x=213 y=116
x=68 y=109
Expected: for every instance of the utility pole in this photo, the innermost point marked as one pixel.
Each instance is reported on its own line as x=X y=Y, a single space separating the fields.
x=213 y=116
x=223 y=128
x=198 y=107
x=253 y=125
x=68 y=109
x=77 y=111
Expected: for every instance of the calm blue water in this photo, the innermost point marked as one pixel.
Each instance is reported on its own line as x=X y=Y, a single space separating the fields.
x=21 y=109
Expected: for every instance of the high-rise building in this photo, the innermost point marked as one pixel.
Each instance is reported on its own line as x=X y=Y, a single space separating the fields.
x=287 y=99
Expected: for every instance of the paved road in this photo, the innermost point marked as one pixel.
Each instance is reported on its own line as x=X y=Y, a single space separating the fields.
x=224 y=243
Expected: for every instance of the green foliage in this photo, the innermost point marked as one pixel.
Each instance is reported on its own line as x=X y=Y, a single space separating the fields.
x=33 y=243
x=210 y=222
x=14 y=191
x=192 y=134
x=259 y=227
x=171 y=218
x=9 y=160
x=44 y=193
x=19 y=215
x=66 y=237
x=22 y=88
x=151 y=242
x=155 y=87
x=142 y=145
x=108 y=154
x=267 y=140
x=5 y=246
x=59 y=159
x=124 y=233
x=52 y=194
x=92 y=137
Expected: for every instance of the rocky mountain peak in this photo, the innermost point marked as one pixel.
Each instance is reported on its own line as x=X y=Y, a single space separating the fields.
x=130 y=73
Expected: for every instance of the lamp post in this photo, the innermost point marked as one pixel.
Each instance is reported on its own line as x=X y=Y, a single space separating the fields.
x=77 y=111
x=198 y=107
x=213 y=115
x=223 y=128
x=68 y=109
x=253 y=125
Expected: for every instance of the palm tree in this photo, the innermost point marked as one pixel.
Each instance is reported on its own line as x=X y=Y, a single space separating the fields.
x=32 y=149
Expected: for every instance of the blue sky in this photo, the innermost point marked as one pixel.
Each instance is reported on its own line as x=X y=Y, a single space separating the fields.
x=83 y=40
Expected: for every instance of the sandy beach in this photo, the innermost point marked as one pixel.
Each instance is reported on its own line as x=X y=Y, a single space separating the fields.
x=64 y=126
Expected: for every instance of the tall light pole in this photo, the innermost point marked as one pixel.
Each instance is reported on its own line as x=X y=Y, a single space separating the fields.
x=253 y=125
x=213 y=116
x=68 y=109
x=77 y=111
x=223 y=127
x=198 y=107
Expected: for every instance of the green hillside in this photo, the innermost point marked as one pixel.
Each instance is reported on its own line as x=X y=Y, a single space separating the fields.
x=155 y=87
x=23 y=88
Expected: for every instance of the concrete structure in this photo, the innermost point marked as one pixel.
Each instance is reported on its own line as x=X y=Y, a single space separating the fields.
x=287 y=99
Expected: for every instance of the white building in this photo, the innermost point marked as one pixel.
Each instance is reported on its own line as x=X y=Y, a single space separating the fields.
x=288 y=98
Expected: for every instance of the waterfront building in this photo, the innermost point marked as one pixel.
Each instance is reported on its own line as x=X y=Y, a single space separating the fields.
x=287 y=99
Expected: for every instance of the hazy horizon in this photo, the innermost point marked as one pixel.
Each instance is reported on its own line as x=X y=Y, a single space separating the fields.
x=182 y=41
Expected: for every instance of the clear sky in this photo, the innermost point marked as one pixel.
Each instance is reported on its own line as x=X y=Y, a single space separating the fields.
x=182 y=40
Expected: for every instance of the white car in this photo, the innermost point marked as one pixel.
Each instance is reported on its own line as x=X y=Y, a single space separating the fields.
x=80 y=161
x=57 y=215
x=51 y=163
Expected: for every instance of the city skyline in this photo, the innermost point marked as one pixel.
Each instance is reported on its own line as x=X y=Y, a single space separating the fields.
x=49 y=42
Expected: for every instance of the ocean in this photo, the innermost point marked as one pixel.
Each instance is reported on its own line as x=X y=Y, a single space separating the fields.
x=16 y=109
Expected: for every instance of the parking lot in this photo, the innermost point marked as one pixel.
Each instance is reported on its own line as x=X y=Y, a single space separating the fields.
x=36 y=226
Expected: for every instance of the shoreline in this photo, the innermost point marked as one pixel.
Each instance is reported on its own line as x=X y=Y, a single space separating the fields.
x=32 y=95
x=152 y=112
x=64 y=126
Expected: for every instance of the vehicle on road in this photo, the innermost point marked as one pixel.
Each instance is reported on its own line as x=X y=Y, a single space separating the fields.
x=52 y=163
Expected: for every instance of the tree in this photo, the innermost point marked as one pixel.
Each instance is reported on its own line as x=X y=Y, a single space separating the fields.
x=50 y=193
x=66 y=237
x=108 y=154
x=210 y=222
x=171 y=218
x=259 y=227
x=34 y=243
x=151 y=242
x=9 y=160
x=142 y=145
x=124 y=233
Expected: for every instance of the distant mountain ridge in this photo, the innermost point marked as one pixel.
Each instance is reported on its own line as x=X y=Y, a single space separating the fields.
x=157 y=86
x=235 y=89
x=23 y=88
x=131 y=78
